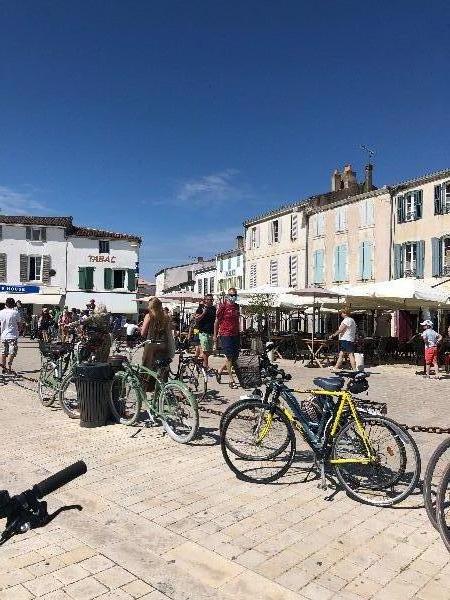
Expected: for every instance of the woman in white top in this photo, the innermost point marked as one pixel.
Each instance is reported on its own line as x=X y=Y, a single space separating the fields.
x=347 y=335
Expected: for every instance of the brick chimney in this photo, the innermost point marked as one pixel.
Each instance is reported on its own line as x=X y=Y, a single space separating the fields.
x=368 y=180
x=336 y=181
x=349 y=177
x=239 y=242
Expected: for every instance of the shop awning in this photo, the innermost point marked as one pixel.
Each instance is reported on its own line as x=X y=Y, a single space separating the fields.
x=115 y=302
x=39 y=299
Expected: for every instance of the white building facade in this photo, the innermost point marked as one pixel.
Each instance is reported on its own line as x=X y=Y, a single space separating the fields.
x=230 y=268
x=50 y=261
x=205 y=280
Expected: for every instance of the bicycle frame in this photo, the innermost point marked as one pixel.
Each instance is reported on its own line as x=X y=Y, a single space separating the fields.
x=320 y=442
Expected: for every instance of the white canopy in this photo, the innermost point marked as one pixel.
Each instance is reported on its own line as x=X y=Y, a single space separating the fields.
x=39 y=299
x=115 y=302
x=398 y=293
x=183 y=295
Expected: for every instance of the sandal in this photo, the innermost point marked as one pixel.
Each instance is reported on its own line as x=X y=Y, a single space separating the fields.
x=233 y=385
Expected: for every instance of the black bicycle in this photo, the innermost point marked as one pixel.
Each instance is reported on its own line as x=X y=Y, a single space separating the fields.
x=191 y=372
x=25 y=511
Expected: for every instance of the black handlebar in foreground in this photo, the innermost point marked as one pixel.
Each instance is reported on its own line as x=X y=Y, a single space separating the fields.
x=54 y=482
x=24 y=511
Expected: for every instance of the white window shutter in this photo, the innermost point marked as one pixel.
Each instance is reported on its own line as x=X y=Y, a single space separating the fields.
x=257 y=236
x=370 y=212
x=337 y=219
x=363 y=213
x=280 y=220
x=269 y=232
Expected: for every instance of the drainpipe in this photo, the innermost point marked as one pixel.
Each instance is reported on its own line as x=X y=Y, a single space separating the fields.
x=307 y=251
x=392 y=231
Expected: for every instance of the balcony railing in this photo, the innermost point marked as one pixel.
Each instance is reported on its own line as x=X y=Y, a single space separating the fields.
x=410 y=271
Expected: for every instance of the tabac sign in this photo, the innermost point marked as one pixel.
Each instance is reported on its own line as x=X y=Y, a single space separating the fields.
x=19 y=289
x=104 y=258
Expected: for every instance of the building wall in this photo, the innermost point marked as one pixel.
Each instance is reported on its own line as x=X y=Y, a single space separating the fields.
x=84 y=252
x=205 y=278
x=13 y=243
x=266 y=250
x=173 y=276
x=358 y=229
x=429 y=226
x=230 y=272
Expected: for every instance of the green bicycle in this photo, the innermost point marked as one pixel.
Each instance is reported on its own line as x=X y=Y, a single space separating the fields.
x=171 y=402
x=56 y=381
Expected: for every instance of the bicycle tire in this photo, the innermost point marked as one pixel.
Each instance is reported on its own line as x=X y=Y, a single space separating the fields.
x=125 y=411
x=174 y=400
x=432 y=478
x=401 y=439
x=68 y=397
x=46 y=369
x=442 y=503
x=194 y=378
x=235 y=450
x=245 y=457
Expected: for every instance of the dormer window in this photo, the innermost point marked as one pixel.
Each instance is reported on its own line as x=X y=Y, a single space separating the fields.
x=103 y=247
x=36 y=234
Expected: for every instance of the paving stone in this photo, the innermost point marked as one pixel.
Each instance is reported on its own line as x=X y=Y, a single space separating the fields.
x=249 y=586
x=137 y=588
x=114 y=577
x=43 y=584
x=71 y=573
x=18 y=592
x=96 y=563
x=86 y=589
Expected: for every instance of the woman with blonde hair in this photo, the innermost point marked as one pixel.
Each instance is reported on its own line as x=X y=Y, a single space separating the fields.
x=157 y=327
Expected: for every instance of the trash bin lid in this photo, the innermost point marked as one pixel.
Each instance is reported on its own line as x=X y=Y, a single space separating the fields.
x=94 y=371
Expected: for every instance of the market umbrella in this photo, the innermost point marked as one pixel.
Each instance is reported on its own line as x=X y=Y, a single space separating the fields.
x=183 y=297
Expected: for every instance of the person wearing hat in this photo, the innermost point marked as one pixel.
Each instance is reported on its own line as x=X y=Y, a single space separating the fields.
x=431 y=339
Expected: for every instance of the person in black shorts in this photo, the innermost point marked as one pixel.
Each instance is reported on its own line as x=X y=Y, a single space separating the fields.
x=205 y=324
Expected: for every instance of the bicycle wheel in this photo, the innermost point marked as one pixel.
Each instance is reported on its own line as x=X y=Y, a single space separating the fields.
x=253 y=442
x=194 y=377
x=68 y=396
x=234 y=444
x=178 y=411
x=395 y=469
x=126 y=398
x=47 y=386
x=443 y=507
x=433 y=475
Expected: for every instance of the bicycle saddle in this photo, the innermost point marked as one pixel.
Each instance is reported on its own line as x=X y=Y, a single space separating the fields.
x=353 y=374
x=330 y=384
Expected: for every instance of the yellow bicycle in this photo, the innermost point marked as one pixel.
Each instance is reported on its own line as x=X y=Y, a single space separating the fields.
x=374 y=459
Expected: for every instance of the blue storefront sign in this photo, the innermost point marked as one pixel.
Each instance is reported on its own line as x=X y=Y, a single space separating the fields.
x=19 y=289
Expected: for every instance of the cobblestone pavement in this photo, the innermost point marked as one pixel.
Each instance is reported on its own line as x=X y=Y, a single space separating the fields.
x=161 y=520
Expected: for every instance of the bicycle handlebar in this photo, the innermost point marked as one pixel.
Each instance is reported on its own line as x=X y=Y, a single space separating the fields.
x=57 y=480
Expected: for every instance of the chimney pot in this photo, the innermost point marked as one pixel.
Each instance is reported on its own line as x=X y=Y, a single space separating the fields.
x=368 y=181
x=239 y=242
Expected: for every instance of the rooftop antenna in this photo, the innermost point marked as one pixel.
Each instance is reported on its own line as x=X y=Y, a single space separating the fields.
x=370 y=153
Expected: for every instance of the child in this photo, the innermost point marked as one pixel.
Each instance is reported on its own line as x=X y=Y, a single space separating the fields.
x=431 y=339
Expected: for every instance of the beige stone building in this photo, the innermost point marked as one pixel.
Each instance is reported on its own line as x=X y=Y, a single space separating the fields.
x=275 y=246
x=421 y=228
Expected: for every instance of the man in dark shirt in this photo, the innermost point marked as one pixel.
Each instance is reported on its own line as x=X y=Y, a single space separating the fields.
x=205 y=325
x=226 y=328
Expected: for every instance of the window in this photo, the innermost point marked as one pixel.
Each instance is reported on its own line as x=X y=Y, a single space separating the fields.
x=118 y=279
x=239 y=282
x=1 y=232
x=103 y=246
x=366 y=213
x=442 y=198
x=205 y=285
x=340 y=215
x=238 y=260
x=366 y=260
x=252 y=282
x=86 y=278
x=274 y=232
x=254 y=237
x=318 y=224
x=318 y=256
x=3 y=269
x=229 y=264
x=221 y=265
x=36 y=234
x=294 y=226
x=293 y=266
x=340 y=263
x=409 y=259
x=446 y=256
x=409 y=206
x=200 y=286
x=273 y=273
x=34 y=268
x=211 y=285
x=189 y=276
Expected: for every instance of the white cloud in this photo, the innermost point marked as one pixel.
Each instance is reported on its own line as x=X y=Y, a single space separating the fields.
x=216 y=187
x=19 y=203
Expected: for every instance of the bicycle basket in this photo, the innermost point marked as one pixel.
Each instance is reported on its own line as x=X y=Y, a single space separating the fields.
x=248 y=371
x=313 y=408
x=53 y=350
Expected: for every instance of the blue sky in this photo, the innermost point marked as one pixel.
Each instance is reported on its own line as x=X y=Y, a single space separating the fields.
x=178 y=120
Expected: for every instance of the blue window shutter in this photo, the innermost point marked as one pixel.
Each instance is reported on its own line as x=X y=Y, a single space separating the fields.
x=344 y=262
x=368 y=263
x=315 y=266
x=361 y=260
x=336 y=263
x=321 y=274
x=418 y=203
x=398 y=261
x=400 y=209
x=420 y=259
x=436 y=257
x=438 y=200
